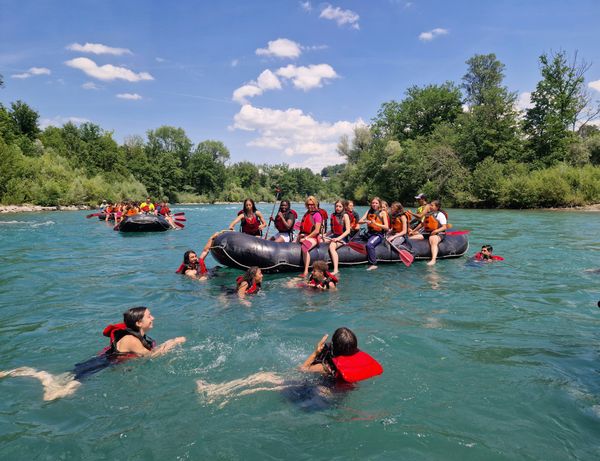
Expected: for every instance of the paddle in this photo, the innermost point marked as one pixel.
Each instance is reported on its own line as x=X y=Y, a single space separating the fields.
x=181 y=213
x=460 y=232
x=93 y=214
x=178 y=224
x=277 y=192
x=180 y=218
x=406 y=256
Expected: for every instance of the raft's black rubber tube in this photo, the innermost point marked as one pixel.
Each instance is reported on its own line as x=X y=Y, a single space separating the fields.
x=144 y=223
x=239 y=250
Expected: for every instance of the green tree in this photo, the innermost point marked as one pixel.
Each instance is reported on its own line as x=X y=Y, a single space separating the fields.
x=419 y=113
x=558 y=99
x=490 y=128
x=25 y=119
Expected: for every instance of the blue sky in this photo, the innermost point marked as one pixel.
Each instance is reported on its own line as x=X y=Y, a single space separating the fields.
x=276 y=81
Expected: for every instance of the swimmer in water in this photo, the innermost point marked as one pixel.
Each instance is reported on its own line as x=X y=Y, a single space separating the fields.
x=193 y=266
x=128 y=340
x=487 y=254
x=340 y=362
x=320 y=278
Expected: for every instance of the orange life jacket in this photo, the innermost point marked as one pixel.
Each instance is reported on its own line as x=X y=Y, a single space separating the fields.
x=396 y=221
x=431 y=223
x=376 y=217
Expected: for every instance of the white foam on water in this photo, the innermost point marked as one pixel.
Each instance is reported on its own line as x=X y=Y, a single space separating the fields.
x=28 y=223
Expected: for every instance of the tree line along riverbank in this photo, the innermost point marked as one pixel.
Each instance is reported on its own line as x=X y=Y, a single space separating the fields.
x=465 y=142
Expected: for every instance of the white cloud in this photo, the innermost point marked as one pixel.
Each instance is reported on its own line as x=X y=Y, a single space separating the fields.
x=235 y=62
x=341 y=17
x=281 y=48
x=434 y=33
x=267 y=80
x=60 y=121
x=246 y=91
x=294 y=133
x=90 y=86
x=595 y=85
x=32 y=71
x=524 y=101
x=309 y=77
x=107 y=72
x=131 y=96
x=97 y=48
x=160 y=59
x=306 y=6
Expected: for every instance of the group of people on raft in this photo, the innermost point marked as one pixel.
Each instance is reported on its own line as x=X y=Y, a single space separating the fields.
x=120 y=210
x=394 y=223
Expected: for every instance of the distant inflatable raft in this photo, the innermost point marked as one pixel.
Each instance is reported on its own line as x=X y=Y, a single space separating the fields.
x=235 y=249
x=143 y=223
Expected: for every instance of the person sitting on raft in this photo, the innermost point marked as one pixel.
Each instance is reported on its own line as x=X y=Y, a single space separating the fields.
x=354 y=218
x=340 y=230
x=434 y=226
x=341 y=362
x=377 y=223
x=249 y=283
x=252 y=221
x=127 y=340
x=422 y=210
x=147 y=206
x=284 y=223
x=487 y=254
x=310 y=231
x=399 y=223
x=163 y=210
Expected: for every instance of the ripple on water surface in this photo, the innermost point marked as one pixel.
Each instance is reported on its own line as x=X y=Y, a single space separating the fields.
x=482 y=361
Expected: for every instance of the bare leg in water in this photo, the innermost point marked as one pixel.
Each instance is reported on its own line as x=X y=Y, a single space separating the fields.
x=55 y=386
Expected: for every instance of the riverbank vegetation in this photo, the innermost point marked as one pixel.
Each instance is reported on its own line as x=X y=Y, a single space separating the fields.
x=467 y=143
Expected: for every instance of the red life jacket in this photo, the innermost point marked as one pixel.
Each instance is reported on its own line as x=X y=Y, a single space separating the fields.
x=356 y=367
x=329 y=277
x=201 y=269
x=115 y=332
x=353 y=220
x=337 y=223
x=250 y=224
x=479 y=257
x=253 y=289
x=325 y=217
x=308 y=224
x=281 y=225
x=164 y=211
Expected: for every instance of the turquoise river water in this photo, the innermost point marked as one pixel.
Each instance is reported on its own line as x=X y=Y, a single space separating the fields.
x=493 y=361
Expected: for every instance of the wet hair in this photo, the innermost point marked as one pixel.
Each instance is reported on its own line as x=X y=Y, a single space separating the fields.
x=249 y=275
x=284 y=201
x=344 y=342
x=132 y=316
x=311 y=198
x=487 y=247
x=320 y=266
x=253 y=205
x=186 y=256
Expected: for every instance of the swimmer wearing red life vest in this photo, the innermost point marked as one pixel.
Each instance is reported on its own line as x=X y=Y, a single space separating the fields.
x=193 y=266
x=127 y=340
x=251 y=219
x=487 y=254
x=320 y=279
x=249 y=283
x=340 y=361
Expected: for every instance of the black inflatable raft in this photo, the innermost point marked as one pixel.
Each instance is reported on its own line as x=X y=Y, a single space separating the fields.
x=143 y=223
x=102 y=217
x=235 y=249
